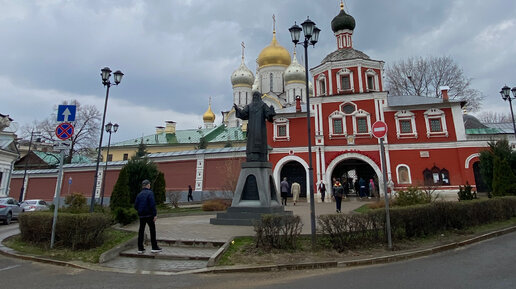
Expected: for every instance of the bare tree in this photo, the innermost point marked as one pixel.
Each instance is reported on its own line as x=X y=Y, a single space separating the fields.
x=86 y=129
x=424 y=76
x=494 y=117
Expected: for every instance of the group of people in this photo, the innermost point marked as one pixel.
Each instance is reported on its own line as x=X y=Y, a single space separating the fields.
x=341 y=190
x=286 y=189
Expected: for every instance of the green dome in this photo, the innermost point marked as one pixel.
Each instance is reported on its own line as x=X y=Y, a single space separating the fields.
x=342 y=21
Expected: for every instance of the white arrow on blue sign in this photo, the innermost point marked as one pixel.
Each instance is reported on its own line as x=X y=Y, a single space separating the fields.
x=66 y=113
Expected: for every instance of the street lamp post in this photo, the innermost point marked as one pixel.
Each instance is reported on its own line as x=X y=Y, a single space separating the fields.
x=110 y=128
x=22 y=190
x=506 y=95
x=106 y=75
x=311 y=33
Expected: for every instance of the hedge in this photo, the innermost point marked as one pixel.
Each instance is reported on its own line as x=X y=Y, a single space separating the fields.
x=348 y=231
x=75 y=231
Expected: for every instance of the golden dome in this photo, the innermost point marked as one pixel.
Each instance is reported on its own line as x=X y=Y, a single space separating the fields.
x=208 y=116
x=274 y=54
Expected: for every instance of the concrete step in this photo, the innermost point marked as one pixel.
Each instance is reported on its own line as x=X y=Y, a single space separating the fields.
x=173 y=253
x=149 y=265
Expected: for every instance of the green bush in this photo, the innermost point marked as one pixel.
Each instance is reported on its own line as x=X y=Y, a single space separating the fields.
x=159 y=189
x=278 y=231
x=75 y=203
x=74 y=231
x=125 y=216
x=347 y=231
x=466 y=193
x=412 y=196
x=120 y=197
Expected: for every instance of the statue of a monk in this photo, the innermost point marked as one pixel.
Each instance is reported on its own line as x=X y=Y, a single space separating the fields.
x=256 y=113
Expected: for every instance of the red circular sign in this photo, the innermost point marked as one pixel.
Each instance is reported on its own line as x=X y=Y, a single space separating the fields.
x=64 y=131
x=379 y=129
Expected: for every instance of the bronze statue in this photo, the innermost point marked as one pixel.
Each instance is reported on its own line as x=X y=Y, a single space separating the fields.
x=256 y=112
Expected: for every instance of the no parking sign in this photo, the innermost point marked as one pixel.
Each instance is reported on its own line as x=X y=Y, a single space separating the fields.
x=64 y=130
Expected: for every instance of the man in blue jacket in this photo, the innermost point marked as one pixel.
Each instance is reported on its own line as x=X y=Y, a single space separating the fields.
x=146 y=207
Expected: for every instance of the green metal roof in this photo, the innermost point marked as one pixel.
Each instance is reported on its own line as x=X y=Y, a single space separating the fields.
x=188 y=136
x=53 y=158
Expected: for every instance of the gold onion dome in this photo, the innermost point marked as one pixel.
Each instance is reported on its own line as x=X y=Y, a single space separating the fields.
x=208 y=116
x=274 y=54
x=295 y=71
x=242 y=75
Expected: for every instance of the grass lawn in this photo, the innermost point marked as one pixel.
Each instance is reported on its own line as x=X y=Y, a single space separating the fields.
x=113 y=238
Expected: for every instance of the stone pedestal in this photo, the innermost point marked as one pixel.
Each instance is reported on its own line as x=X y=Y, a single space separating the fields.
x=255 y=195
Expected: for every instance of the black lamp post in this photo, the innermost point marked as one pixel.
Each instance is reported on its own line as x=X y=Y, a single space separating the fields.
x=22 y=190
x=506 y=95
x=106 y=75
x=311 y=33
x=110 y=128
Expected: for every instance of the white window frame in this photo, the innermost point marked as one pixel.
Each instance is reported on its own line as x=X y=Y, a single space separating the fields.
x=405 y=115
x=371 y=72
x=435 y=113
x=344 y=72
x=398 y=174
x=281 y=122
x=342 y=117
x=361 y=113
x=346 y=103
x=321 y=79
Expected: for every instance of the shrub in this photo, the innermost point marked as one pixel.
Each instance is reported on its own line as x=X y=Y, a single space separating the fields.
x=125 y=216
x=466 y=193
x=216 y=205
x=346 y=231
x=74 y=231
x=412 y=196
x=76 y=203
x=159 y=189
x=120 y=197
x=278 y=231
x=174 y=197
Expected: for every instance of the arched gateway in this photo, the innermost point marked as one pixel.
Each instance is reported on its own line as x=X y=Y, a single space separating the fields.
x=362 y=166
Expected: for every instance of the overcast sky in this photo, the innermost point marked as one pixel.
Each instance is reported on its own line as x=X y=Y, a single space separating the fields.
x=176 y=54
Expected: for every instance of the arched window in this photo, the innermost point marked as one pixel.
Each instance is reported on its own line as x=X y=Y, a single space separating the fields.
x=427 y=176
x=403 y=174
x=445 y=177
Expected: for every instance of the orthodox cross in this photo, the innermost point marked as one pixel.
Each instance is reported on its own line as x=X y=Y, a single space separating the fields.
x=273 y=23
x=243 y=47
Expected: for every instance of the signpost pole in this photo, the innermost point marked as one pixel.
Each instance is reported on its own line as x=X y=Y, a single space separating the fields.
x=387 y=216
x=57 y=197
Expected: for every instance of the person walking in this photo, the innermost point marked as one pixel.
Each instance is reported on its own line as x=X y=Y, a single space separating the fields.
x=322 y=190
x=295 y=190
x=190 y=193
x=337 y=194
x=146 y=207
x=372 y=188
x=362 y=188
x=285 y=189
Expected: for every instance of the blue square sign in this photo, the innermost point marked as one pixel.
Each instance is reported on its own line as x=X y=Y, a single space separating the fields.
x=66 y=113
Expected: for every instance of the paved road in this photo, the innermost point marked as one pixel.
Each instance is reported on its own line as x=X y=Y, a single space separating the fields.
x=490 y=264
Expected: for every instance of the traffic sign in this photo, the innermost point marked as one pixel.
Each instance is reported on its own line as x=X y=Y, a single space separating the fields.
x=379 y=129
x=66 y=113
x=64 y=130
